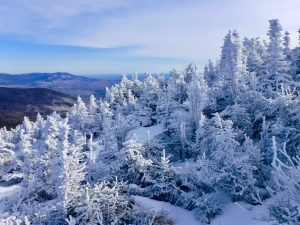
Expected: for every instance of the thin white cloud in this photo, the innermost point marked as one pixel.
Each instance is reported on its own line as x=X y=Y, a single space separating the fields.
x=192 y=29
x=185 y=29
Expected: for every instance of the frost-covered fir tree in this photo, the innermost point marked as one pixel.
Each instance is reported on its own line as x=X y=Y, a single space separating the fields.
x=108 y=133
x=287 y=171
x=228 y=166
x=93 y=118
x=29 y=162
x=7 y=153
x=177 y=86
x=136 y=86
x=189 y=73
x=255 y=55
x=51 y=153
x=38 y=126
x=164 y=187
x=296 y=63
x=132 y=162
x=276 y=68
x=210 y=74
x=79 y=115
x=102 y=204
x=286 y=47
x=74 y=169
x=27 y=125
x=198 y=97
x=148 y=101
x=232 y=66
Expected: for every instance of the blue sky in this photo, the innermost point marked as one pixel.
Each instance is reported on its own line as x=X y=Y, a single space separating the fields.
x=124 y=36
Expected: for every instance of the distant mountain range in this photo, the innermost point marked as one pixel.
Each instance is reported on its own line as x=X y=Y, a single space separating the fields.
x=15 y=103
x=62 y=82
x=28 y=94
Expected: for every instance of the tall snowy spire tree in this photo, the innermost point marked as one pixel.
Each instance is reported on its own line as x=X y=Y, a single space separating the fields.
x=286 y=46
x=276 y=67
x=296 y=62
x=233 y=64
x=198 y=98
x=210 y=74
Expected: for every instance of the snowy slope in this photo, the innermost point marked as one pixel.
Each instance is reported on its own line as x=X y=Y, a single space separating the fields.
x=178 y=215
x=142 y=133
x=241 y=214
x=186 y=167
x=232 y=213
x=6 y=192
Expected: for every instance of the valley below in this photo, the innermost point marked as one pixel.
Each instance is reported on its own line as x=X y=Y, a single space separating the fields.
x=15 y=103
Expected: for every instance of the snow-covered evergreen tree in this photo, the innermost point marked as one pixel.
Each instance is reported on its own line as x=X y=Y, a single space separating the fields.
x=198 y=97
x=233 y=65
x=132 y=162
x=108 y=133
x=286 y=46
x=296 y=62
x=148 y=101
x=255 y=55
x=29 y=161
x=102 y=204
x=276 y=67
x=210 y=73
x=79 y=115
x=74 y=170
x=286 y=169
x=164 y=187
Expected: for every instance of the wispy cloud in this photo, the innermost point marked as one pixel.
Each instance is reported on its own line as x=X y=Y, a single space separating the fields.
x=21 y=57
x=192 y=30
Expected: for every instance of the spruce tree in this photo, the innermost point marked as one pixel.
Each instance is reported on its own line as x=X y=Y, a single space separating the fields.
x=276 y=68
x=232 y=68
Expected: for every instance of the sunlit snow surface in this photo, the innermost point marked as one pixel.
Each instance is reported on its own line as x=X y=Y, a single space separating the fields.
x=5 y=193
x=241 y=214
x=233 y=213
x=145 y=133
x=178 y=215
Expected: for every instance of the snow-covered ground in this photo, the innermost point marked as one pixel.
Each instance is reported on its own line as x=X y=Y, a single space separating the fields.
x=178 y=215
x=145 y=133
x=242 y=214
x=6 y=192
x=188 y=166
x=233 y=213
